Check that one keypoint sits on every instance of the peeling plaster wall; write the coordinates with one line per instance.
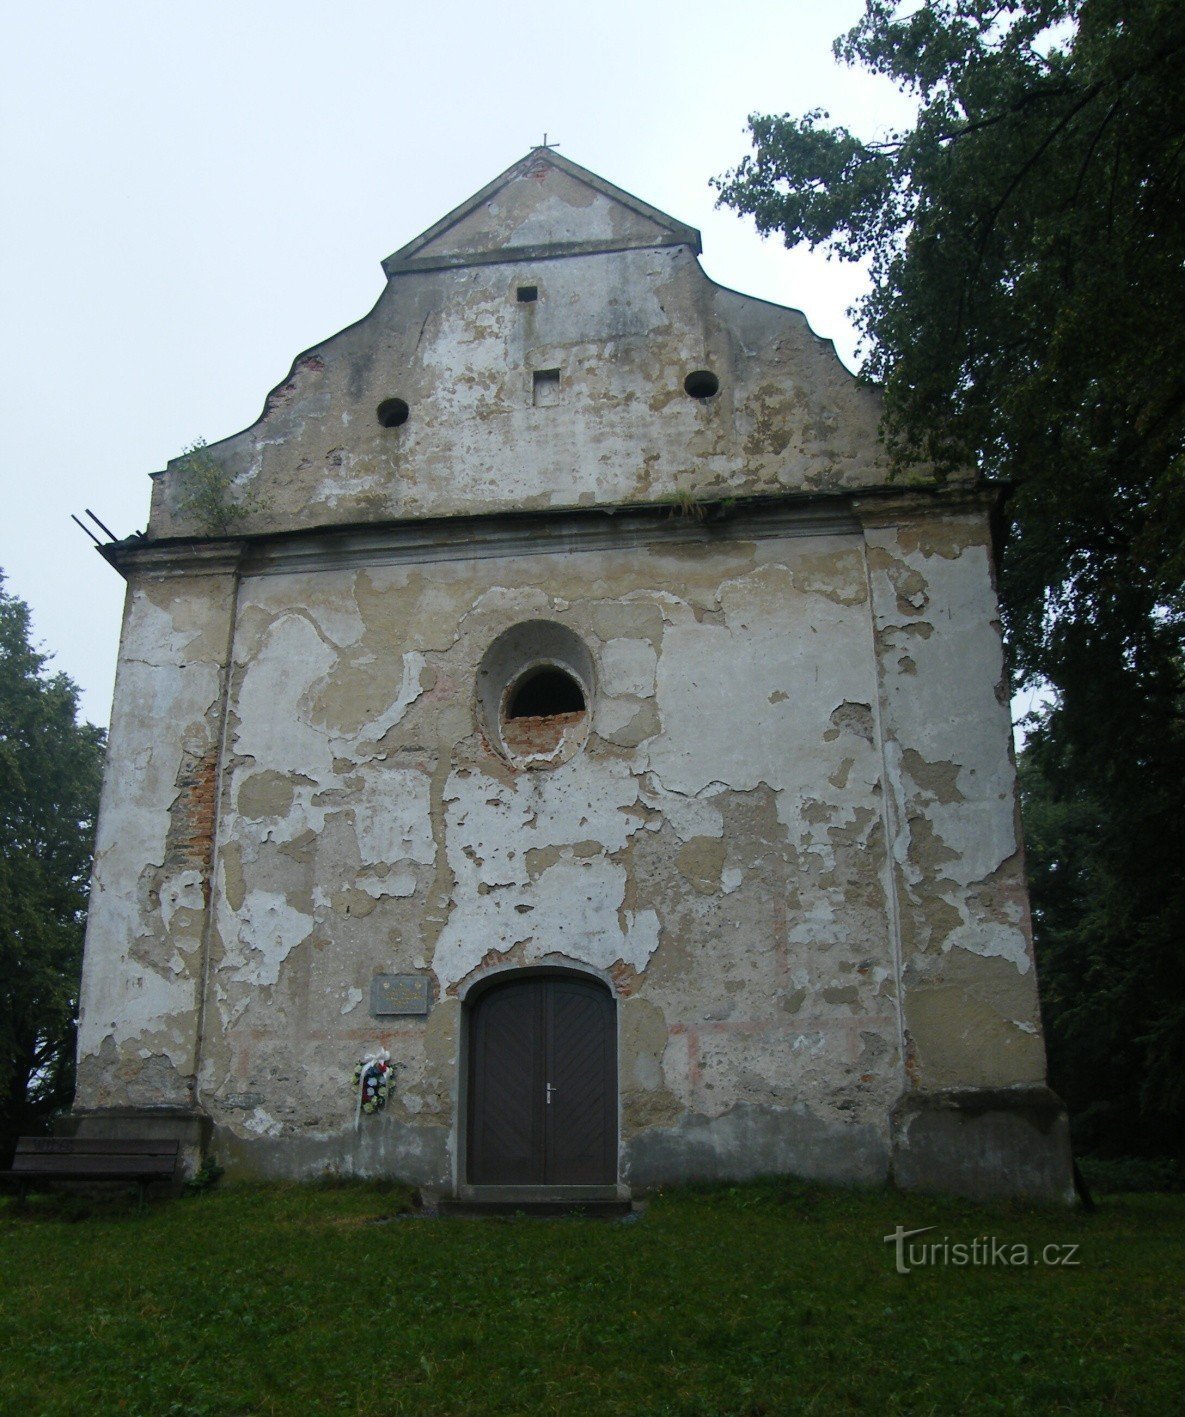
(789, 841)
(623, 328)
(716, 849)
(969, 984)
(143, 957)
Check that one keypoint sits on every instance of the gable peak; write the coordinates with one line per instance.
(543, 206)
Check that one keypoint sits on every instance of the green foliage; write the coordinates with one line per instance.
(1105, 840)
(50, 770)
(1116, 1175)
(209, 494)
(208, 1174)
(745, 1300)
(685, 505)
(1026, 240)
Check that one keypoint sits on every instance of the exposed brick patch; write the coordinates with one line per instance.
(190, 841)
(625, 977)
(527, 736)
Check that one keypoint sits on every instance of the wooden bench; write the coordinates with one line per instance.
(39, 1160)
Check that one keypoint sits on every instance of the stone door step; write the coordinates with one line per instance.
(604, 1201)
(604, 1209)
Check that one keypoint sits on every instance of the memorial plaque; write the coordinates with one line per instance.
(393, 994)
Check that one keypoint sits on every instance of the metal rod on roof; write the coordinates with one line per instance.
(85, 528)
(100, 525)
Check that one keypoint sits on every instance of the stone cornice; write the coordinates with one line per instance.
(545, 532)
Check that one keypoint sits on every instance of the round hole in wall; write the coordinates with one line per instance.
(534, 691)
(701, 384)
(392, 412)
(544, 692)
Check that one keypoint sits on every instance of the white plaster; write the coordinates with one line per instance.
(689, 816)
(409, 692)
(261, 1123)
(335, 615)
(628, 667)
(274, 706)
(576, 904)
(814, 923)
(157, 683)
(612, 715)
(791, 657)
(183, 892)
(988, 938)
(269, 929)
(393, 816)
(947, 710)
(152, 635)
(512, 602)
(128, 1001)
(401, 881)
(578, 801)
(344, 483)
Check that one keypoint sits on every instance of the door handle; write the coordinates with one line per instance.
(550, 1090)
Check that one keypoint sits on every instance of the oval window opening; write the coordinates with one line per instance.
(536, 694)
(392, 413)
(702, 384)
(544, 693)
(545, 716)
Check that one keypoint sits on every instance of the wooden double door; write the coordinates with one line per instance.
(543, 1084)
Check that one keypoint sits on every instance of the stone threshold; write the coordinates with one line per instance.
(598, 1201)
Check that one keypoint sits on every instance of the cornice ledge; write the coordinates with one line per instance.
(547, 531)
(887, 506)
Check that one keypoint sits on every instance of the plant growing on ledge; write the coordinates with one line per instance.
(210, 496)
(684, 504)
(687, 506)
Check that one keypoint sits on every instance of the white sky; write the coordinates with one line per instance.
(191, 194)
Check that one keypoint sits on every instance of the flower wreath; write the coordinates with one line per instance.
(372, 1079)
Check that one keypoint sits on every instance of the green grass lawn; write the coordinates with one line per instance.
(763, 1298)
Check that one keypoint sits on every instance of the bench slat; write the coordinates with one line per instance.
(84, 1159)
(94, 1146)
(33, 1178)
(93, 1165)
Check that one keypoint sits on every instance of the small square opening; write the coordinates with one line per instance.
(527, 293)
(546, 387)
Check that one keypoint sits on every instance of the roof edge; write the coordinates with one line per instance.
(405, 258)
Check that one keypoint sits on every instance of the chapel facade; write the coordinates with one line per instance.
(556, 691)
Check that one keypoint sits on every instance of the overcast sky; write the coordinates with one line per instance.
(194, 193)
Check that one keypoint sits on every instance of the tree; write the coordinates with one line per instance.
(1109, 927)
(50, 772)
(1026, 241)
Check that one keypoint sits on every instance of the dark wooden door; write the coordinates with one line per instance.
(543, 1084)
